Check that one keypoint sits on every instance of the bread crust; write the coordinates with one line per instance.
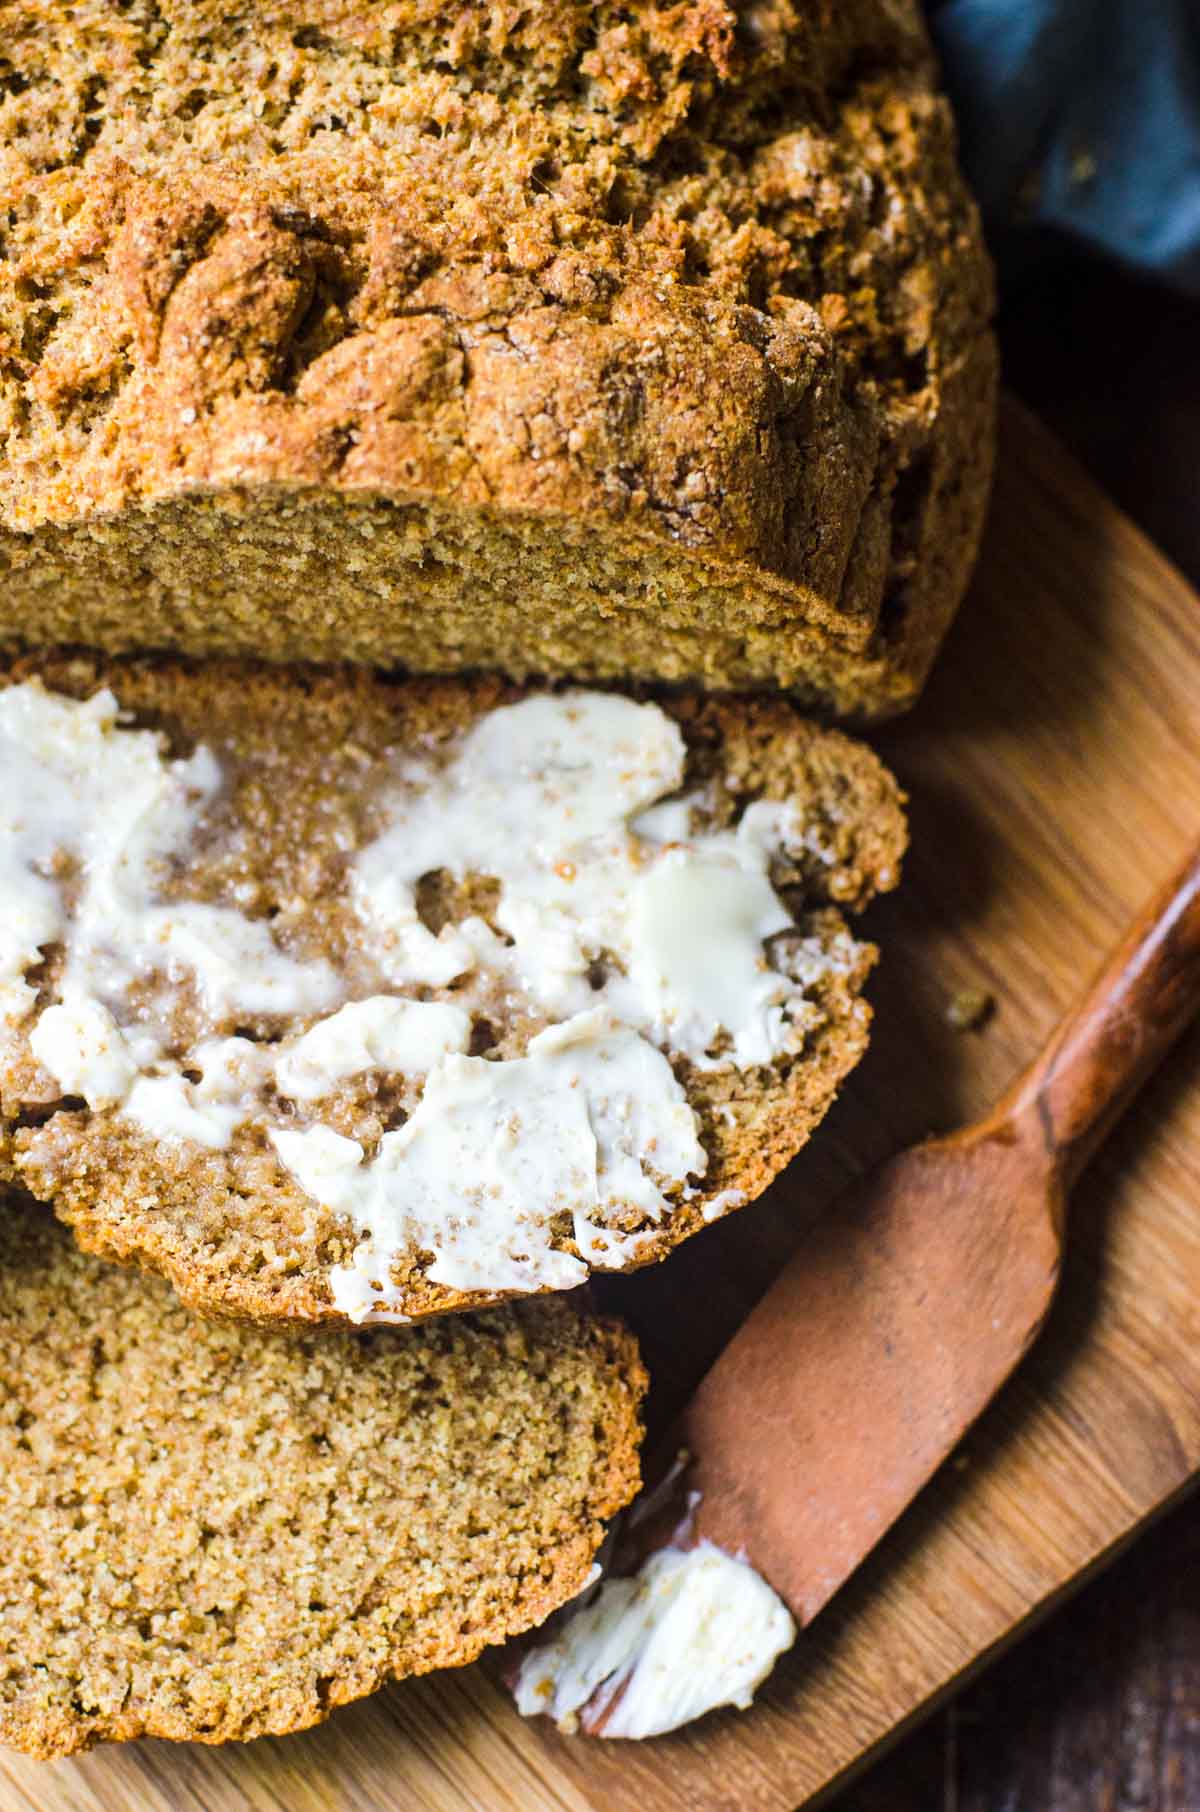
(305, 752)
(323, 333)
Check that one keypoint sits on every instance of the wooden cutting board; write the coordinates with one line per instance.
(1054, 769)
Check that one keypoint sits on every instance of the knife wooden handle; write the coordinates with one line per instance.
(1106, 1047)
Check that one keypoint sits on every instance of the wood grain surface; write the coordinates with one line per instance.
(1055, 776)
(1098, 1708)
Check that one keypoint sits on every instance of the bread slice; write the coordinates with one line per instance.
(211, 1532)
(628, 1031)
(590, 339)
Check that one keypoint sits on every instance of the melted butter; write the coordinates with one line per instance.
(693, 1629)
(87, 803)
(618, 921)
(386, 1032)
(84, 1049)
(582, 1125)
(560, 799)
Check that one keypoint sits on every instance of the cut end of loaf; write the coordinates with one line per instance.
(404, 583)
(613, 341)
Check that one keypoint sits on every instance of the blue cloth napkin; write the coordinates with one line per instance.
(1084, 116)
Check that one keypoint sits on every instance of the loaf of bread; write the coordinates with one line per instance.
(212, 1532)
(597, 340)
(336, 997)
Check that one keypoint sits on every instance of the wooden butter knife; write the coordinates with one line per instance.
(898, 1318)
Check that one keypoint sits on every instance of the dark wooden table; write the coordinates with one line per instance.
(1099, 1710)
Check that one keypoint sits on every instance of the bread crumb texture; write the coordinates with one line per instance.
(214, 1532)
(304, 755)
(555, 338)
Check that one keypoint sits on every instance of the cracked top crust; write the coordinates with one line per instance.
(697, 282)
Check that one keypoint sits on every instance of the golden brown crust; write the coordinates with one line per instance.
(305, 750)
(216, 1532)
(666, 311)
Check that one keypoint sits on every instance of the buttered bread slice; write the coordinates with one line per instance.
(214, 1532)
(330, 997)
